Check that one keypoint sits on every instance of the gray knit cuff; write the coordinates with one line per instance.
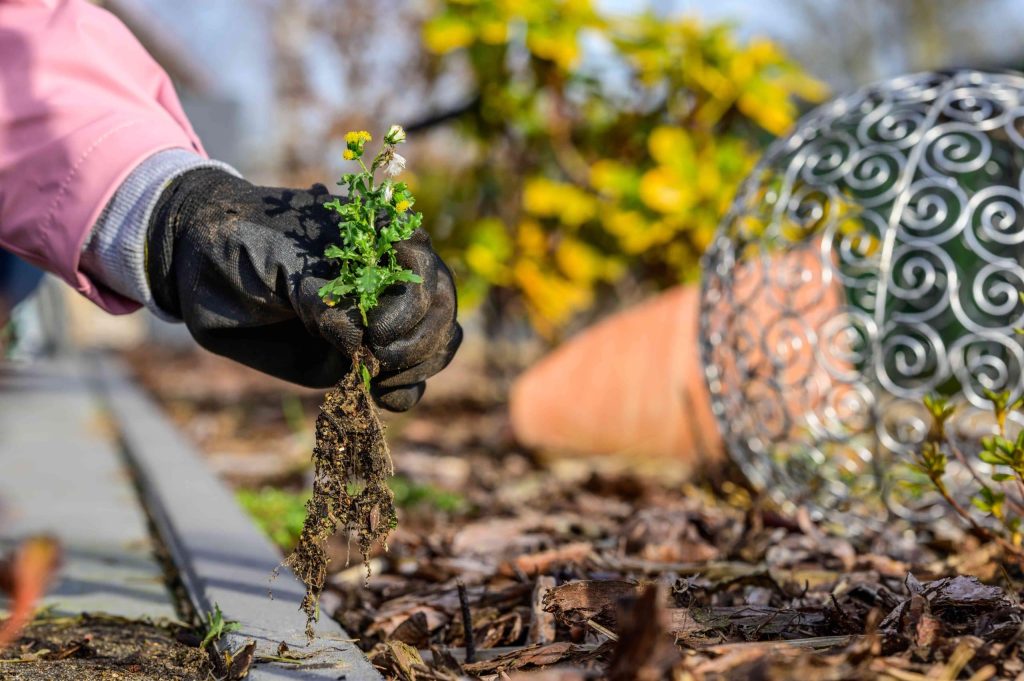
(115, 251)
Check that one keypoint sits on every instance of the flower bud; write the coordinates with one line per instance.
(396, 135)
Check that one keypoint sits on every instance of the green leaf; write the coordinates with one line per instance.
(993, 457)
(366, 376)
(335, 251)
(217, 626)
(407, 276)
(981, 505)
(1003, 477)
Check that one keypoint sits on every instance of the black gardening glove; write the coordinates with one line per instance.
(242, 264)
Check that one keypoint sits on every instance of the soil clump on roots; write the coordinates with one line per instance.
(351, 469)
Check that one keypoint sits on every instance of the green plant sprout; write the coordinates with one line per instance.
(375, 218)
(1004, 456)
(216, 626)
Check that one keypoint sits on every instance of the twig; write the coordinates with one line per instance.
(467, 623)
(604, 631)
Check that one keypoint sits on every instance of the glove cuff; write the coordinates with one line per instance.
(174, 213)
(115, 251)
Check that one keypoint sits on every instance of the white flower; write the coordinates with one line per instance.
(389, 191)
(396, 135)
(396, 164)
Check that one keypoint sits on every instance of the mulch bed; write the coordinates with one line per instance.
(573, 569)
(104, 648)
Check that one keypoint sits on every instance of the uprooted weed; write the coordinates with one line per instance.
(352, 466)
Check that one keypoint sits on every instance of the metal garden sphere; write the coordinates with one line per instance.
(872, 257)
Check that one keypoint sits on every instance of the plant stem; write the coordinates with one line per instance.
(988, 534)
(958, 453)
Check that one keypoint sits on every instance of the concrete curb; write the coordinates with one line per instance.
(64, 476)
(221, 556)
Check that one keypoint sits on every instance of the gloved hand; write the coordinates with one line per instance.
(242, 264)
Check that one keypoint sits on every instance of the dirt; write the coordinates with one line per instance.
(351, 469)
(101, 648)
(607, 568)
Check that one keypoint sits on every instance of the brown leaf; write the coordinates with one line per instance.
(576, 602)
(545, 561)
(25, 577)
(398, 659)
(666, 536)
(413, 631)
(682, 622)
(530, 656)
(963, 592)
(443, 660)
(550, 675)
(645, 651)
(239, 662)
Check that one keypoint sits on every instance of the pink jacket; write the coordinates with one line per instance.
(81, 104)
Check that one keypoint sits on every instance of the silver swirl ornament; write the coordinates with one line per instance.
(886, 264)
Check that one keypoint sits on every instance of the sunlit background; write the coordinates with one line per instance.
(570, 157)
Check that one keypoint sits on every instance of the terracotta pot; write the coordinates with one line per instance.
(631, 385)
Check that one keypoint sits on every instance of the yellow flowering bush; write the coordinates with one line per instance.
(607, 148)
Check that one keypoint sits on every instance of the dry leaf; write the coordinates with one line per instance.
(25, 577)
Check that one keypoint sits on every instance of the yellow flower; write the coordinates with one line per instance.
(348, 155)
(402, 206)
(359, 137)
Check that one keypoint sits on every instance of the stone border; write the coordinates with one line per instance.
(64, 476)
(221, 556)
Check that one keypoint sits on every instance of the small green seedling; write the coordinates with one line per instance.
(217, 626)
(367, 253)
(1005, 459)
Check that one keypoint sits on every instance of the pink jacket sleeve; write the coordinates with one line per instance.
(81, 104)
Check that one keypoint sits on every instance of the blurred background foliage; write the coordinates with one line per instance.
(601, 152)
